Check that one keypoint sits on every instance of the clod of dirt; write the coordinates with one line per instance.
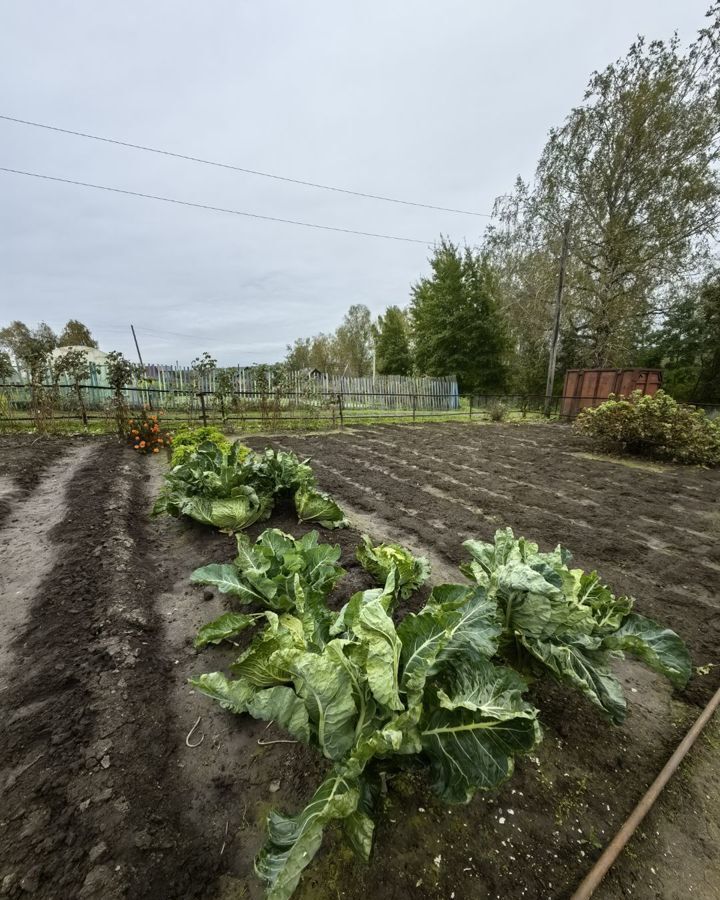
(97, 852)
(30, 882)
(8, 883)
(99, 883)
(274, 787)
(143, 840)
(208, 595)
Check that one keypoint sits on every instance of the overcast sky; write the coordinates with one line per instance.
(437, 102)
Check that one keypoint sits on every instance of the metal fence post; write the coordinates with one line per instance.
(470, 410)
(414, 405)
(203, 411)
(340, 409)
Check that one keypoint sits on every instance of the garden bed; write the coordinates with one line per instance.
(102, 797)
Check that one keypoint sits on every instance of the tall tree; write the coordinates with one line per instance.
(298, 354)
(392, 343)
(354, 341)
(457, 325)
(635, 170)
(75, 334)
(318, 352)
(527, 270)
(324, 354)
(30, 347)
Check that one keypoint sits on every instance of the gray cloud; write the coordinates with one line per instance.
(439, 102)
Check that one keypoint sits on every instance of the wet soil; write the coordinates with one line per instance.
(101, 796)
(652, 531)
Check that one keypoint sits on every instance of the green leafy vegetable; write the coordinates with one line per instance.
(474, 726)
(232, 489)
(370, 691)
(226, 626)
(660, 648)
(269, 571)
(567, 622)
(412, 571)
(314, 506)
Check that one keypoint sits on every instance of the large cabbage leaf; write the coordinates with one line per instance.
(473, 727)
(274, 704)
(660, 648)
(229, 580)
(459, 622)
(294, 840)
(226, 626)
(314, 506)
(228, 513)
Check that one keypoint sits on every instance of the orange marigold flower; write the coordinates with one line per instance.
(142, 443)
(155, 450)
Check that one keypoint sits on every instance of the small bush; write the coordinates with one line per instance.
(656, 426)
(497, 411)
(146, 434)
(187, 440)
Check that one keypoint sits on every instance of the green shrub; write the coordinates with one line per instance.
(653, 426)
(187, 440)
(497, 411)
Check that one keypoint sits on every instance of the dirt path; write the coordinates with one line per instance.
(27, 551)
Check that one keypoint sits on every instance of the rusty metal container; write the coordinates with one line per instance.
(591, 387)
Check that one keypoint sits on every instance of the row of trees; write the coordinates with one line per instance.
(22, 347)
(632, 175)
(30, 351)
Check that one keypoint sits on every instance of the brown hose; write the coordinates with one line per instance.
(612, 851)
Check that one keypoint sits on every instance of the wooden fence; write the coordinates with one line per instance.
(382, 391)
(176, 386)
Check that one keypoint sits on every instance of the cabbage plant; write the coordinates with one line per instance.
(412, 571)
(567, 622)
(268, 574)
(232, 490)
(369, 695)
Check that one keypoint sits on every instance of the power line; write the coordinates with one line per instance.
(220, 165)
(222, 209)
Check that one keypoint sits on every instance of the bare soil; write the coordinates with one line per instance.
(101, 797)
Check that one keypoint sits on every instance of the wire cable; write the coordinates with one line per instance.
(221, 165)
(222, 209)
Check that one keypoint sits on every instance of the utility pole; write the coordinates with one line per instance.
(556, 325)
(137, 346)
(142, 364)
